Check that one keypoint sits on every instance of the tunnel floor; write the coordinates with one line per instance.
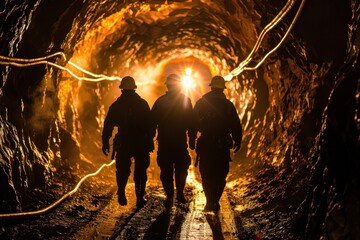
(93, 213)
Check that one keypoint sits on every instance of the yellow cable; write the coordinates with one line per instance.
(281, 41)
(44, 210)
(28, 64)
(21, 62)
(242, 66)
(268, 27)
(33, 59)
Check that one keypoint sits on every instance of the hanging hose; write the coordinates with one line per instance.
(50, 207)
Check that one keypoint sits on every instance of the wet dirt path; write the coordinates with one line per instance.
(207, 225)
(154, 221)
(94, 213)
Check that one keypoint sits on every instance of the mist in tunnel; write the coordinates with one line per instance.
(299, 109)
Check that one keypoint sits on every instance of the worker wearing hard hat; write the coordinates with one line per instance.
(173, 118)
(131, 115)
(220, 128)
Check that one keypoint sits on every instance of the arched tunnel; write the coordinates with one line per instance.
(296, 175)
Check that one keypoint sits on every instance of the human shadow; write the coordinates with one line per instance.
(125, 221)
(176, 225)
(215, 225)
(159, 228)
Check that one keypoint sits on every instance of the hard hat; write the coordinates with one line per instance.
(217, 82)
(173, 79)
(127, 83)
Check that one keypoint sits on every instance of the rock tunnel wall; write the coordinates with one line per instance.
(292, 108)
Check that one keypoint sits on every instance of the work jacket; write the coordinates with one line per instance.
(131, 115)
(173, 116)
(217, 120)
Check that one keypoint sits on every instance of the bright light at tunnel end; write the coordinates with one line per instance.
(188, 80)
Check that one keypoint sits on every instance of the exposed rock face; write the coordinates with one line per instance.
(299, 109)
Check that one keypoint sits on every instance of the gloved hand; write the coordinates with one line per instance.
(237, 146)
(192, 143)
(106, 148)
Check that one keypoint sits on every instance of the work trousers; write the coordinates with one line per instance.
(214, 167)
(171, 162)
(123, 164)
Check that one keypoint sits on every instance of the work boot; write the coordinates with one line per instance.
(209, 206)
(216, 207)
(168, 203)
(140, 192)
(180, 198)
(122, 199)
(141, 202)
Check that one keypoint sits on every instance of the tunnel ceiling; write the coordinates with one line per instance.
(143, 39)
(134, 34)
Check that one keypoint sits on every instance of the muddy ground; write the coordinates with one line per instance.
(93, 213)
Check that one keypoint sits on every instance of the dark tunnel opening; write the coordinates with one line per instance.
(299, 110)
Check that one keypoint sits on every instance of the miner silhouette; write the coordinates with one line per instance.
(131, 115)
(220, 128)
(173, 117)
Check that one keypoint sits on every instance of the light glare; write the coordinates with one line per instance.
(188, 71)
(188, 80)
